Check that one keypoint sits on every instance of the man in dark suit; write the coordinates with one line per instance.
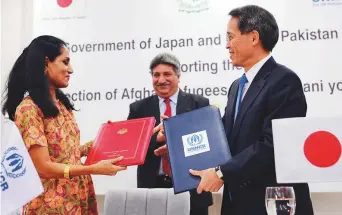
(169, 100)
(267, 90)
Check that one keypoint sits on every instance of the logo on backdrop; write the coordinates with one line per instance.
(62, 10)
(193, 6)
(64, 3)
(326, 3)
(195, 143)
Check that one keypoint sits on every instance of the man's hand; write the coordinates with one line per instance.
(161, 135)
(210, 182)
(161, 151)
(160, 130)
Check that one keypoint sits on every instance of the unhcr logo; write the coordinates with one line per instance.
(195, 143)
(195, 139)
(12, 166)
(13, 163)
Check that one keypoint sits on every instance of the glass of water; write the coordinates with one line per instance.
(280, 201)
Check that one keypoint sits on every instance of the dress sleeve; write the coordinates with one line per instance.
(30, 125)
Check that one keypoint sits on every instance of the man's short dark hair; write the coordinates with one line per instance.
(166, 58)
(252, 17)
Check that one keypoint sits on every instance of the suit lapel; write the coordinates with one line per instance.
(229, 117)
(182, 103)
(154, 109)
(252, 93)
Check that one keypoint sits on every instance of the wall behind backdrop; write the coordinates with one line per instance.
(112, 43)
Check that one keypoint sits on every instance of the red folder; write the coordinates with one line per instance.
(129, 138)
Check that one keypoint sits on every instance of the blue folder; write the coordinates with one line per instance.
(196, 140)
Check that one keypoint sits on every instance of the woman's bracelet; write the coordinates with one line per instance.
(67, 171)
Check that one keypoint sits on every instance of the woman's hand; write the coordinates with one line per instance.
(107, 167)
(85, 148)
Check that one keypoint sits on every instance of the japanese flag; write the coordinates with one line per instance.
(308, 149)
(60, 9)
(19, 179)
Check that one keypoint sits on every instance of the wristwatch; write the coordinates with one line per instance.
(219, 172)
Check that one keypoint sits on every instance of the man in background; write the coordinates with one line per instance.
(169, 101)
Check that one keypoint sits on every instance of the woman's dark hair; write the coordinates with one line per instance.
(28, 76)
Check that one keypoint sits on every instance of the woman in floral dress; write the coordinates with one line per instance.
(49, 130)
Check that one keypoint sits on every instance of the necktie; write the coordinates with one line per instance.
(165, 159)
(168, 107)
(243, 81)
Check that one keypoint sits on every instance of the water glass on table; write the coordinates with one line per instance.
(280, 201)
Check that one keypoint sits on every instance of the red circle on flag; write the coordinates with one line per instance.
(322, 149)
(64, 3)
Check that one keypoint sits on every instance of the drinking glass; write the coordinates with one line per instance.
(280, 201)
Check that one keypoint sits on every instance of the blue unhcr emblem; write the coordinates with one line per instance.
(13, 163)
(195, 139)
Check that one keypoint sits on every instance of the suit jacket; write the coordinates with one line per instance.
(276, 92)
(148, 172)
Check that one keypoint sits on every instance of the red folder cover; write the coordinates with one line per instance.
(129, 138)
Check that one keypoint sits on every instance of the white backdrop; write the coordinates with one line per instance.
(0, 70)
(85, 23)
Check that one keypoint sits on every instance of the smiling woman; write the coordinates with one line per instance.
(49, 130)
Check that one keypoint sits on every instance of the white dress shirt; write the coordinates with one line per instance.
(173, 104)
(252, 72)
